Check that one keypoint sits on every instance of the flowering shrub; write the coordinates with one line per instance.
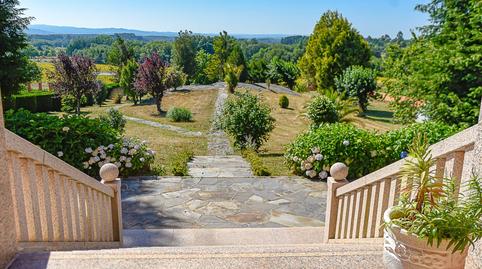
(84, 143)
(313, 152)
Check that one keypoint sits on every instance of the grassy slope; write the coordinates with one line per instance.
(45, 67)
(290, 122)
(166, 143)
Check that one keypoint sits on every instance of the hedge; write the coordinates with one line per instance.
(35, 102)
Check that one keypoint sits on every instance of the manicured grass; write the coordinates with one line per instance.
(200, 103)
(378, 117)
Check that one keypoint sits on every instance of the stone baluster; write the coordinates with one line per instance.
(8, 242)
(109, 174)
(338, 172)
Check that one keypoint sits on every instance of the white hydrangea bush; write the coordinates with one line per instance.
(130, 156)
(312, 166)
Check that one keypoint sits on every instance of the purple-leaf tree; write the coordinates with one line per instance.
(151, 77)
(76, 76)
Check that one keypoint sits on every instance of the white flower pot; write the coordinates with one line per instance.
(404, 250)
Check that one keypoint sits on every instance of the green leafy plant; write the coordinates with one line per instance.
(179, 114)
(115, 119)
(322, 110)
(247, 120)
(232, 74)
(118, 98)
(257, 165)
(178, 165)
(283, 101)
(358, 82)
(434, 213)
(342, 142)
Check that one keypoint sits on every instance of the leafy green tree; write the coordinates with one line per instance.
(232, 74)
(127, 78)
(75, 76)
(120, 52)
(258, 70)
(15, 67)
(175, 77)
(236, 58)
(442, 67)
(223, 46)
(202, 62)
(184, 53)
(247, 120)
(359, 82)
(283, 72)
(333, 46)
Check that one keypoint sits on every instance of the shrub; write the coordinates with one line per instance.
(34, 101)
(178, 114)
(115, 119)
(178, 166)
(65, 137)
(359, 82)
(363, 151)
(257, 165)
(84, 143)
(247, 120)
(322, 110)
(284, 102)
(118, 98)
(69, 103)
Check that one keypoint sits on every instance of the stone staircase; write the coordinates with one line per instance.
(266, 256)
(219, 166)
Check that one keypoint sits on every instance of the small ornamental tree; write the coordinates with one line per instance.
(75, 76)
(175, 77)
(247, 120)
(151, 78)
(128, 75)
(359, 82)
(232, 74)
(283, 72)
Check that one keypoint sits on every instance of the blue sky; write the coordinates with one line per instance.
(370, 17)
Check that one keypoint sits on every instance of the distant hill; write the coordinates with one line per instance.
(43, 29)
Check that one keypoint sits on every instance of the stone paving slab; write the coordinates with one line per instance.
(219, 166)
(239, 202)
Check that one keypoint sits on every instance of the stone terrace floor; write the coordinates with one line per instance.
(185, 202)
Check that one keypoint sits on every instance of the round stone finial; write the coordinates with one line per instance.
(339, 171)
(109, 172)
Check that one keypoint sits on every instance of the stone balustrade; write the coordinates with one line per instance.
(355, 210)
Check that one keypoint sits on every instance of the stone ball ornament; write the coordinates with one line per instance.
(339, 171)
(109, 172)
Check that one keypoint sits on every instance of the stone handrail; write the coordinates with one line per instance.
(57, 206)
(355, 210)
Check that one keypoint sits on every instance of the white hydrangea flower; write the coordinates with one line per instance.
(95, 152)
(323, 174)
(113, 159)
(142, 160)
(100, 164)
(101, 148)
(118, 164)
(103, 155)
(315, 150)
(296, 159)
(128, 165)
(143, 142)
(66, 129)
(128, 160)
(124, 150)
(132, 152)
(110, 146)
(311, 173)
(96, 158)
(88, 150)
(86, 165)
(318, 157)
(308, 166)
(373, 153)
(136, 147)
(346, 143)
(60, 153)
(310, 159)
(122, 158)
(91, 160)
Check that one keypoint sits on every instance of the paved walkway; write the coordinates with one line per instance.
(218, 143)
(219, 166)
(164, 126)
(177, 202)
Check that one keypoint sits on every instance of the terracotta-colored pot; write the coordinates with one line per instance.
(405, 250)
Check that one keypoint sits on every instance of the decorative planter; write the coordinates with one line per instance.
(404, 250)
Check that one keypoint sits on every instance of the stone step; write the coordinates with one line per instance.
(279, 256)
(222, 237)
(219, 166)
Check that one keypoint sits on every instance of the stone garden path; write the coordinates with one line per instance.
(185, 202)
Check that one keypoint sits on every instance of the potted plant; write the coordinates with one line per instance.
(431, 227)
